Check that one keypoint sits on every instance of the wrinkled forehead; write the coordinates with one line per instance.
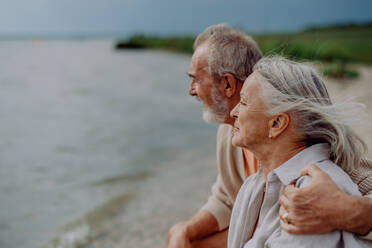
(252, 85)
(200, 53)
(199, 59)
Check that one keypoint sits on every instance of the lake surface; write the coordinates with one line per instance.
(78, 121)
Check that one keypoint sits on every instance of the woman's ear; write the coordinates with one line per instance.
(228, 85)
(278, 124)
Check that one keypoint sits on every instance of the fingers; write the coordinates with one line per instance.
(311, 170)
(284, 215)
(284, 202)
(289, 190)
(288, 224)
(294, 228)
(290, 196)
(290, 228)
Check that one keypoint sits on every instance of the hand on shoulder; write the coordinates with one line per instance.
(313, 209)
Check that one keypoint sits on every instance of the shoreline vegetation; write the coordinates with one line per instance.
(337, 46)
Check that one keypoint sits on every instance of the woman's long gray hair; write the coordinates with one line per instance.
(296, 89)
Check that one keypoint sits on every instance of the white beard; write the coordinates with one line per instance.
(211, 117)
(219, 111)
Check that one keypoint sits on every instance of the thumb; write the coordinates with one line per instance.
(311, 170)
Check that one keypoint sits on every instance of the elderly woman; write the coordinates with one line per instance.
(286, 118)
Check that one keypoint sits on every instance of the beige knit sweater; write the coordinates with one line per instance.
(231, 175)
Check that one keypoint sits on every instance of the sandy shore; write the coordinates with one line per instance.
(179, 187)
(361, 91)
(176, 190)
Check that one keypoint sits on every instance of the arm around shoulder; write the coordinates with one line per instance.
(312, 210)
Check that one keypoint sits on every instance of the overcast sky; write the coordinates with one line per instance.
(175, 17)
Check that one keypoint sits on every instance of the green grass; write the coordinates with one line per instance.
(330, 45)
(339, 70)
(176, 44)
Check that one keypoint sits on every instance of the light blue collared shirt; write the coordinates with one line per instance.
(249, 208)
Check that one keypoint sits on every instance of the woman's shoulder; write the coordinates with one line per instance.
(252, 182)
(336, 173)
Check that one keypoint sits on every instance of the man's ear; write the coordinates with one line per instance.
(228, 85)
(278, 124)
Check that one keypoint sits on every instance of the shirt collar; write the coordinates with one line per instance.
(290, 170)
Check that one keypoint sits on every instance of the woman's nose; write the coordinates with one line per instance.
(234, 111)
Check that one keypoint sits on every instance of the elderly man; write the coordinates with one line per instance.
(222, 60)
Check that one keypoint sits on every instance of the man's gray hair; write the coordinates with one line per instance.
(296, 89)
(229, 51)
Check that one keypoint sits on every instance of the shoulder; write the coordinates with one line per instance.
(252, 183)
(230, 159)
(224, 139)
(224, 132)
(224, 146)
(338, 176)
(252, 179)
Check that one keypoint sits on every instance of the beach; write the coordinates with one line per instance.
(83, 128)
(173, 192)
(359, 90)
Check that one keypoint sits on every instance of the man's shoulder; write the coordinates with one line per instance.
(229, 157)
(224, 136)
(224, 131)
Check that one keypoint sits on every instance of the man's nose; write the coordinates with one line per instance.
(192, 90)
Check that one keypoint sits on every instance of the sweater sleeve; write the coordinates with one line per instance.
(230, 177)
(362, 176)
(219, 204)
(369, 235)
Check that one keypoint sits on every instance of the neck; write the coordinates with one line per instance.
(233, 101)
(273, 155)
(229, 121)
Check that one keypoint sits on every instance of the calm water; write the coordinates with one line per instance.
(77, 114)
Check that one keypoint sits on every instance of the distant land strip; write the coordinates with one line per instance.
(337, 43)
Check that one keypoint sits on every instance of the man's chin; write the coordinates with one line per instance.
(211, 117)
